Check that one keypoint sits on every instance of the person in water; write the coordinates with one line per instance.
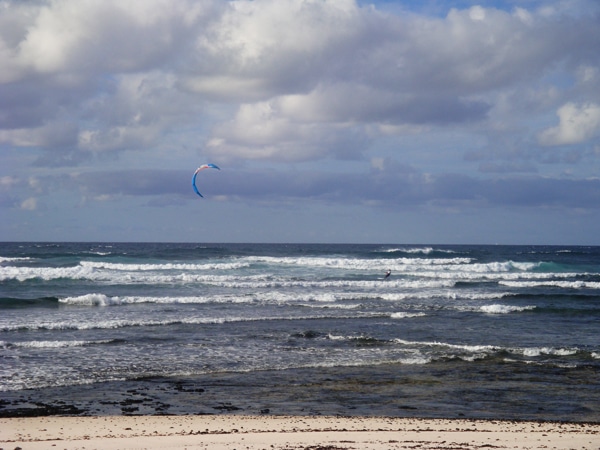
(387, 274)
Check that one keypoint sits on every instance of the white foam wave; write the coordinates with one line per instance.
(553, 283)
(105, 300)
(444, 295)
(275, 297)
(364, 284)
(125, 323)
(505, 309)
(406, 315)
(164, 267)
(54, 344)
(90, 300)
(335, 337)
(417, 250)
(91, 273)
(353, 362)
(313, 298)
(332, 306)
(4, 259)
(44, 273)
(533, 352)
(486, 350)
(405, 271)
(463, 273)
(330, 298)
(106, 324)
(506, 266)
(356, 264)
(469, 348)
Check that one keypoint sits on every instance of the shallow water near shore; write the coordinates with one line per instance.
(437, 391)
(456, 331)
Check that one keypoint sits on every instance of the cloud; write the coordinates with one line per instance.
(577, 123)
(124, 74)
(273, 47)
(263, 131)
(131, 182)
(8, 181)
(319, 102)
(387, 185)
(107, 36)
(29, 204)
(100, 69)
(387, 70)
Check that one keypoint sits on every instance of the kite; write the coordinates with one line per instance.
(202, 167)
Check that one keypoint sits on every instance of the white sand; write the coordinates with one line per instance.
(298, 432)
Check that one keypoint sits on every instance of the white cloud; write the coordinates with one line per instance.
(365, 68)
(378, 163)
(115, 138)
(29, 204)
(52, 134)
(123, 74)
(8, 181)
(577, 123)
(111, 35)
(263, 48)
(261, 131)
(587, 74)
(477, 13)
(523, 15)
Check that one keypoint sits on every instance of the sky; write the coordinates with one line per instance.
(333, 121)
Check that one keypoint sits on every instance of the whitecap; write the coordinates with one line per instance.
(406, 315)
(553, 283)
(538, 351)
(4, 259)
(163, 267)
(58, 344)
(504, 309)
(90, 300)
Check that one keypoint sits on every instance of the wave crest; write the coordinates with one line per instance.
(505, 309)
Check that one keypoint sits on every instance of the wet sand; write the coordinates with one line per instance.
(290, 432)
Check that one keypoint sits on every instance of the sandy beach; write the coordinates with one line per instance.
(290, 432)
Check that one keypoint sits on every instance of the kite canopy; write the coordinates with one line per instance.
(202, 167)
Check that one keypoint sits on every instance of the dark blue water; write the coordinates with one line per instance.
(482, 331)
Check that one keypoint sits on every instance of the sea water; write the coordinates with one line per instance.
(454, 329)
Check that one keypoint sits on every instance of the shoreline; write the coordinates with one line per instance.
(291, 433)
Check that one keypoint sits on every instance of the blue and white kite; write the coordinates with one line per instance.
(202, 167)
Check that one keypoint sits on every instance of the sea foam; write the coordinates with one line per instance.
(505, 309)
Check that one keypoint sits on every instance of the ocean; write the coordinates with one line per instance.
(482, 331)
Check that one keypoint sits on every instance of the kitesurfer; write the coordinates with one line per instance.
(387, 274)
